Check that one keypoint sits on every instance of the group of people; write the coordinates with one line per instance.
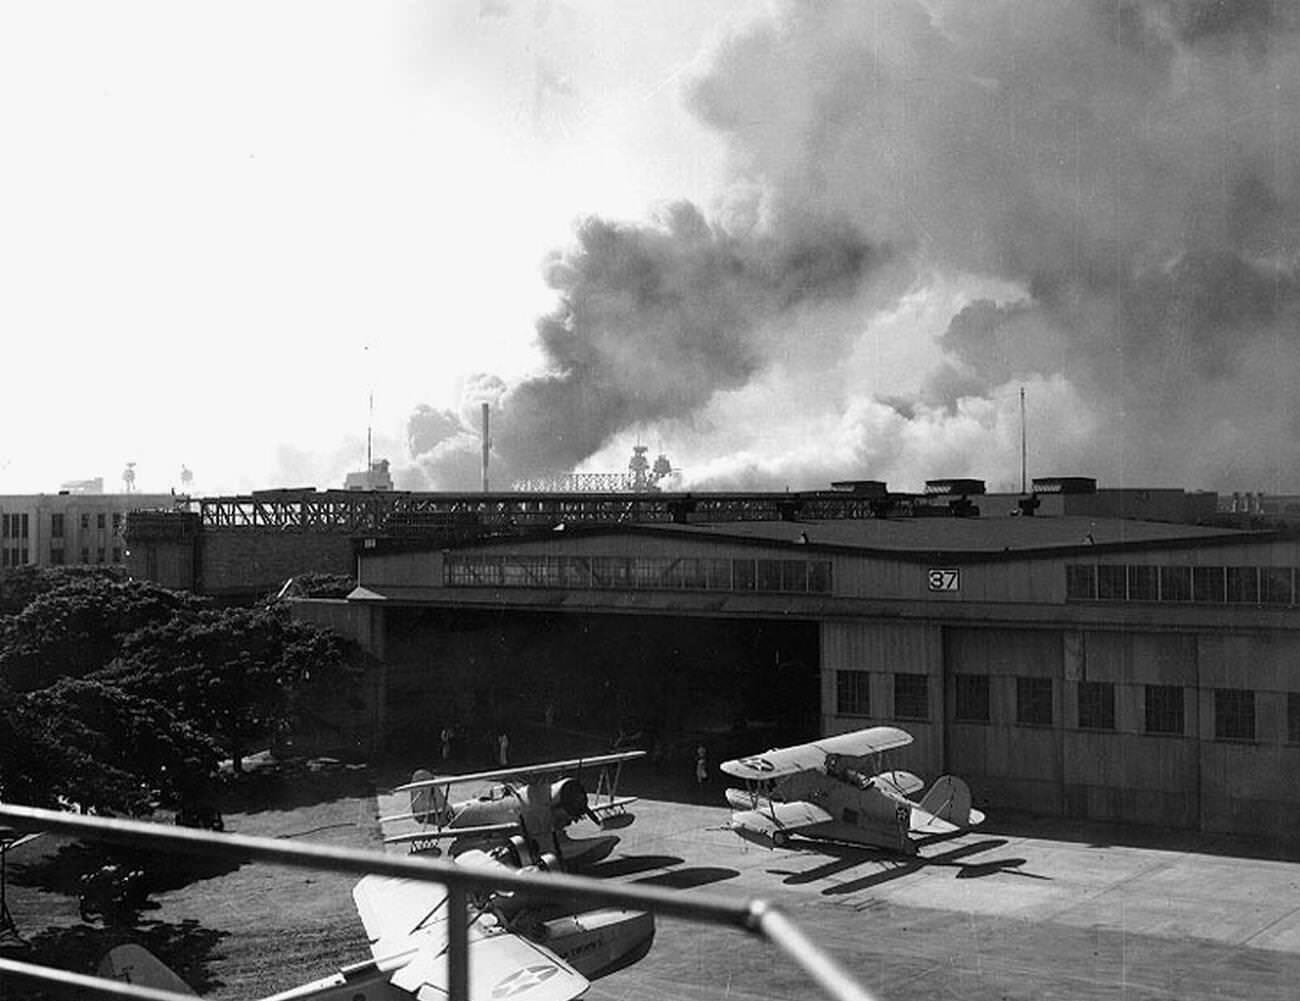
(498, 741)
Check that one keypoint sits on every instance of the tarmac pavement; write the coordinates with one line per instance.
(989, 914)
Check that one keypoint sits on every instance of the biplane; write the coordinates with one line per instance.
(535, 801)
(516, 943)
(836, 789)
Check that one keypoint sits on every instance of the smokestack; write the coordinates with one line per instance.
(487, 444)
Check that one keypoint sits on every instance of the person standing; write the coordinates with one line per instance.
(446, 742)
(701, 770)
(503, 749)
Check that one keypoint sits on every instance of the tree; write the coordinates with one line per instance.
(234, 673)
(97, 745)
(78, 626)
(20, 586)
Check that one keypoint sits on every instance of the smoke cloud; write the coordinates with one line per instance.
(1114, 186)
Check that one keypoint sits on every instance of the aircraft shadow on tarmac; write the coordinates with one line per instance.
(846, 857)
(617, 822)
(630, 865)
(689, 878)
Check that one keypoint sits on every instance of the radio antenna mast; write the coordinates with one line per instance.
(370, 423)
(1023, 453)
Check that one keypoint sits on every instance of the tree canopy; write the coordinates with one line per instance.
(234, 672)
(77, 626)
(114, 691)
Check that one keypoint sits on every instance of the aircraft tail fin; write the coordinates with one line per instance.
(429, 803)
(134, 964)
(949, 800)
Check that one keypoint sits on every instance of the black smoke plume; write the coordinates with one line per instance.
(1124, 174)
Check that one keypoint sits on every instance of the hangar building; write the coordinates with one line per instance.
(1068, 664)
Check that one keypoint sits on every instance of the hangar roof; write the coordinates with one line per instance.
(970, 534)
(975, 536)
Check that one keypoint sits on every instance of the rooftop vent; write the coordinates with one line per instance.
(959, 487)
(861, 488)
(1065, 485)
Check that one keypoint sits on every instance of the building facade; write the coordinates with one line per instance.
(1075, 666)
(50, 530)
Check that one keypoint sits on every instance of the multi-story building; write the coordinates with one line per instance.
(68, 527)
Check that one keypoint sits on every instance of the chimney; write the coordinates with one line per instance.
(487, 444)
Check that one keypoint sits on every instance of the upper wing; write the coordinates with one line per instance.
(401, 915)
(806, 757)
(544, 768)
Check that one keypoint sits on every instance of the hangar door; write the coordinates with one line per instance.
(1003, 713)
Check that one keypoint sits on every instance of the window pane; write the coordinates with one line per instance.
(1143, 583)
(911, 696)
(794, 576)
(1243, 585)
(971, 693)
(1234, 714)
(1293, 717)
(1111, 582)
(576, 572)
(746, 579)
(1175, 583)
(1164, 709)
(716, 574)
(819, 577)
(648, 573)
(769, 575)
(1207, 584)
(1096, 705)
(1034, 701)
(1080, 582)
(609, 571)
(1275, 585)
(853, 693)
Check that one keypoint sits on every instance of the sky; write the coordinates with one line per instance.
(782, 243)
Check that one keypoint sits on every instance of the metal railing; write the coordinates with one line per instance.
(755, 916)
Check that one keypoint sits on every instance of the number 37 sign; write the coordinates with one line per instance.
(944, 580)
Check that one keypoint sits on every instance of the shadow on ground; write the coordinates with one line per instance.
(269, 783)
(187, 947)
(62, 871)
(689, 878)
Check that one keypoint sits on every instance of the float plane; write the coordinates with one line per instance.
(834, 789)
(535, 801)
(516, 942)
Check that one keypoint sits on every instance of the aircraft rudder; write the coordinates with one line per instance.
(428, 803)
(949, 799)
(134, 964)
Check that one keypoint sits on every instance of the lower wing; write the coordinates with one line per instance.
(773, 818)
(448, 833)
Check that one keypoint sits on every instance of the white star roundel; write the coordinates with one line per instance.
(523, 980)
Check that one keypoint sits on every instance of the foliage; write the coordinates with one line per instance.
(78, 626)
(315, 585)
(234, 673)
(97, 745)
(114, 692)
(21, 586)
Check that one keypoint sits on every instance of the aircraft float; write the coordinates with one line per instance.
(834, 789)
